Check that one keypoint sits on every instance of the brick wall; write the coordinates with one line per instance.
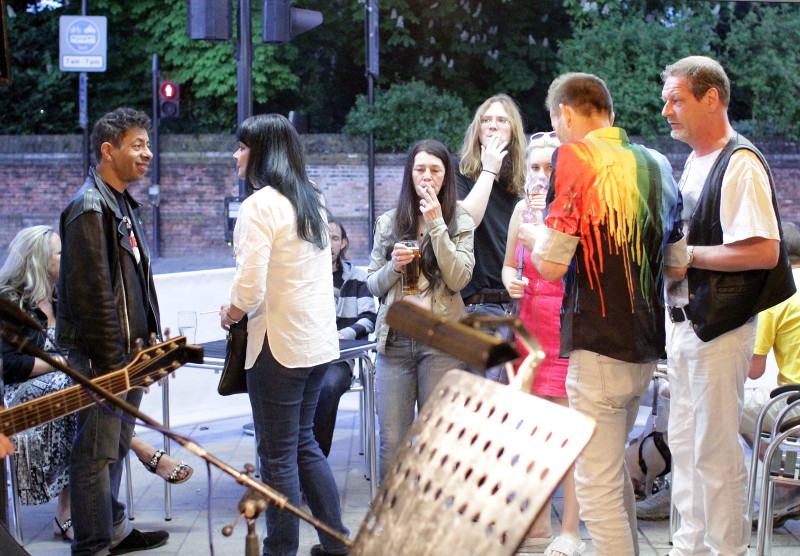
(38, 175)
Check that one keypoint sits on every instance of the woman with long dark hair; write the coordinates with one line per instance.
(283, 283)
(427, 211)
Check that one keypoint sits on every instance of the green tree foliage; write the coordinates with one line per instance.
(475, 49)
(764, 62)
(36, 102)
(408, 112)
(206, 70)
(472, 49)
(628, 44)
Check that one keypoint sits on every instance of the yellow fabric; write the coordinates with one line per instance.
(779, 329)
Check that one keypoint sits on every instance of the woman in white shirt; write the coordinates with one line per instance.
(427, 211)
(283, 283)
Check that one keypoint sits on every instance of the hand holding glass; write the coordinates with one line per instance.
(533, 187)
(411, 270)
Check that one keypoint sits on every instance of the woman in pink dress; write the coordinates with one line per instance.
(540, 307)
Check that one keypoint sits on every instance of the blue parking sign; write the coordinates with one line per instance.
(82, 43)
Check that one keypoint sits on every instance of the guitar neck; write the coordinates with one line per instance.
(51, 407)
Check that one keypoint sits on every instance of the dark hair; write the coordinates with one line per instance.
(276, 159)
(584, 92)
(791, 236)
(407, 217)
(343, 251)
(702, 73)
(112, 127)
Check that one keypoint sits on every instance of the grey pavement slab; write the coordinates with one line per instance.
(225, 438)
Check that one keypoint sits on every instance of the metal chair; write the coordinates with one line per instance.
(778, 395)
(129, 487)
(475, 469)
(783, 455)
(15, 508)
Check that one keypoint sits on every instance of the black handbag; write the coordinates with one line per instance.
(233, 379)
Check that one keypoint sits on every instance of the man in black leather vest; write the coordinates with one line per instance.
(737, 267)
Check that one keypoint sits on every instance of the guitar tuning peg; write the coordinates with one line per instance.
(167, 333)
(153, 339)
(138, 345)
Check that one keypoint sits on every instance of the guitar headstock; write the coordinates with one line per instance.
(154, 363)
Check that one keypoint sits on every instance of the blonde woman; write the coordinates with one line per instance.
(540, 306)
(28, 278)
(490, 179)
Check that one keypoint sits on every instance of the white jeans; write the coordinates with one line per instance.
(608, 391)
(706, 381)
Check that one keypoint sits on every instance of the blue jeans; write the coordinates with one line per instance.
(335, 383)
(284, 401)
(498, 372)
(98, 456)
(406, 375)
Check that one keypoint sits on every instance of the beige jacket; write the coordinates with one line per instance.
(454, 255)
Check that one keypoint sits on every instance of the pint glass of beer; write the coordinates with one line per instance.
(411, 270)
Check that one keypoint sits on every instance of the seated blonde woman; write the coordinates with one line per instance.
(28, 278)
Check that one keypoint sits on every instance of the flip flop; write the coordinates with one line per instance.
(564, 544)
(179, 474)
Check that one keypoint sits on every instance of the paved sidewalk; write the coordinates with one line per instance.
(225, 439)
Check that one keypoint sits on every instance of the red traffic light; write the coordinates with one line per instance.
(170, 101)
(169, 90)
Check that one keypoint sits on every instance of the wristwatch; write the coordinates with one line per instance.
(690, 252)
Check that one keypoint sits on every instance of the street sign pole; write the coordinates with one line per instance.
(155, 175)
(82, 47)
(83, 102)
(83, 117)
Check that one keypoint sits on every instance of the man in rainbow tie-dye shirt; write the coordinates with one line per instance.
(613, 227)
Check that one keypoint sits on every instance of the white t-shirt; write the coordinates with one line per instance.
(745, 204)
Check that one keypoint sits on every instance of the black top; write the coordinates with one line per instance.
(17, 366)
(490, 236)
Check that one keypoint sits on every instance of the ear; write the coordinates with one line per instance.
(567, 113)
(345, 243)
(711, 99)
(105, 150)
(611, 118)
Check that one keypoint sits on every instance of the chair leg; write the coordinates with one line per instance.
(674, 518)
(362, 429)
(16, 505)
(129, 486)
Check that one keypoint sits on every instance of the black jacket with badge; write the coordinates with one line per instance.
(106, 300)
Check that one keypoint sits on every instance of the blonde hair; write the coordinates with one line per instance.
(540, 140)
(25, 269)
(514, 163)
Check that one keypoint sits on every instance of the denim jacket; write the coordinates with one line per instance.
(453, 254)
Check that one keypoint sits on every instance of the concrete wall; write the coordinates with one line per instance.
(38, 175)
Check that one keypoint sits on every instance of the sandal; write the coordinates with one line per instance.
(567, 544)
(63, 528)
(179, 474)
(533, 545)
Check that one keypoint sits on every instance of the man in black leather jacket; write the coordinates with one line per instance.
(106, 302)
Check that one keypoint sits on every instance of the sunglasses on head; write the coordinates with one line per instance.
(541, 134)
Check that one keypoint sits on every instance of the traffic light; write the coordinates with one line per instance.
(281, 22)
(170, 99)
